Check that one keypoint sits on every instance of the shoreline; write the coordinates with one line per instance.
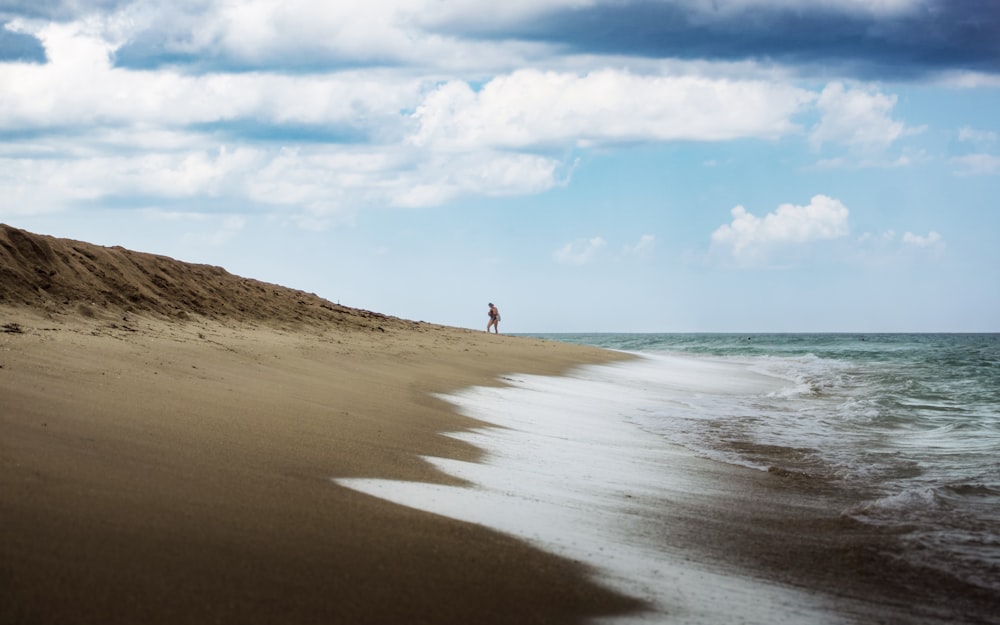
(698, 540)
(161, 471)
(565, 471)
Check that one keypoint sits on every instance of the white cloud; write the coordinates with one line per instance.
(116, 112)
(304, 33)
(579, 252)
(876, 7)
(643, 246)
(316, 181)
(907, 159)
(931, 240)
(407, 32)
(169, 175)
(433, 12)
(429, 139)
(888, 246)
(883, 237)
(977, 164)
(860, 118)
(969, 80)
(375, 30)
(459, 144)
(968, 133)
(445, 177)
(536, 108)
(162, 133)
(79, 86)
(748, 235)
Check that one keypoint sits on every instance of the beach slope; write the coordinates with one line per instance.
(168, 435)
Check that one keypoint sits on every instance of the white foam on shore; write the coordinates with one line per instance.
(568, 470)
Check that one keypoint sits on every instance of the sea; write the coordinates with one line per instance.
(907, 424)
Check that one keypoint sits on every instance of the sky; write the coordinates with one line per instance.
(587, 165)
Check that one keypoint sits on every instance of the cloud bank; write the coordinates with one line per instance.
(890, 39)
(314, 111)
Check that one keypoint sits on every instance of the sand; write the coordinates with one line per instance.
(167, 455)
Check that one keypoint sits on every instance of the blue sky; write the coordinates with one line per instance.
(587, 165)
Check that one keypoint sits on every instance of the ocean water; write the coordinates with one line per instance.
(597, 464)
(909, 423)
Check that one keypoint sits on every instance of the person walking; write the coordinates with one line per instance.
(494, 320)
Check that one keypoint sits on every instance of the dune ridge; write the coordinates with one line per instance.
(63, 275)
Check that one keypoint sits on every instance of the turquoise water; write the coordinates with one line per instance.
(908, 423)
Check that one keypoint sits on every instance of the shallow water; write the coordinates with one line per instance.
(910, 423)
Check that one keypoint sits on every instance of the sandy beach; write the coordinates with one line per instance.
(168, 459)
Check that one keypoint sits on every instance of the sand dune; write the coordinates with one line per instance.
(61, 275)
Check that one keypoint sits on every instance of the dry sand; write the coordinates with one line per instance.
(168, 433)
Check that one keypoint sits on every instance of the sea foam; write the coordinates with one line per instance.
(568, 468)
